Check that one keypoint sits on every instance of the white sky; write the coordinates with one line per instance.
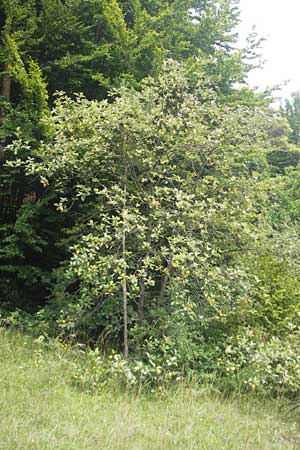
(279, 22)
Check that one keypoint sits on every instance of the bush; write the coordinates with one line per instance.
(158, 369)
(251, 361)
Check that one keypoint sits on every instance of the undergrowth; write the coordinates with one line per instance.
(41, 408)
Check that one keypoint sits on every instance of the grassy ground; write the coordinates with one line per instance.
(39, 409)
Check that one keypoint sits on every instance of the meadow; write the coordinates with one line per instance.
(41, 409)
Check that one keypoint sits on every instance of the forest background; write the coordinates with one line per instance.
(149, 198)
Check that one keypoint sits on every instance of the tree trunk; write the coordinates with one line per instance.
(164, 282)
(6, 82)
(141, 301)
(5, 92)
(124, 296)
(124, 286)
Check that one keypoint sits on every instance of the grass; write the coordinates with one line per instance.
(39, 409)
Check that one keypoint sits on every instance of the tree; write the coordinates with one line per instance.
(24, 103)
(155, 178)
(89, 47)
(291, 111)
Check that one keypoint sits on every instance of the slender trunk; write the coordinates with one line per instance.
(6, 82)
(163, 288)
(141, 301)
(97, 33)
(5, 92)
(164, 283)
(124, 294)
(124, 286)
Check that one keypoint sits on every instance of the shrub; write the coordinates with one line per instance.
(251, 361)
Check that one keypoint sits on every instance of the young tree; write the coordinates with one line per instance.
(155, 178)
(291, 111)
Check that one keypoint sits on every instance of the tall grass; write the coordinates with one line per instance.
(40, 409)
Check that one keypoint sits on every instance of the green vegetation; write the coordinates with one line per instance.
(40, 409)
(149, 199)
(291, 110)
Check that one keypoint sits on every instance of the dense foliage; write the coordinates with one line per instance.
(150, 206)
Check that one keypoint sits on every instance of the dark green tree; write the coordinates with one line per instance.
(26, 231)
(291, 111)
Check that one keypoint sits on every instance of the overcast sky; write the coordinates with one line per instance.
(279, 22)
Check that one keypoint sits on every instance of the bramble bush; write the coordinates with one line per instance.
(253, 361)
(250, 361)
